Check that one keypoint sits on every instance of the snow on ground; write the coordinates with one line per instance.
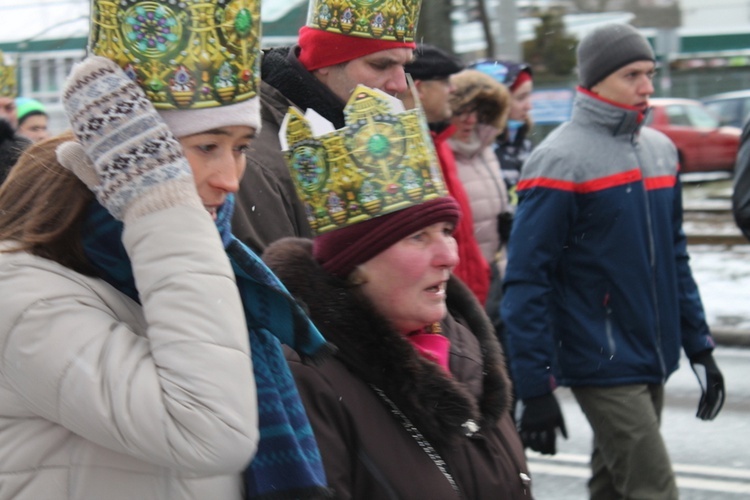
(723, 277)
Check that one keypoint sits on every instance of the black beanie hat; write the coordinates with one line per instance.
(609, 48)
(431, 63)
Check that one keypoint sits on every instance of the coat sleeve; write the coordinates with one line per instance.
(543, 218)
(741, 192)
(268, 207)
(693, 326)
(182, 395)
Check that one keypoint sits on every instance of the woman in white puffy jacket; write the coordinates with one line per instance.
(140, 384)
(480, 110)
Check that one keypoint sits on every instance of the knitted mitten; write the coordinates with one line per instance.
(139, 163)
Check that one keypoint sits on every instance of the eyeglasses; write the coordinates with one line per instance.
(466, 109)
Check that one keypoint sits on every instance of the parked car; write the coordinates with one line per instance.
(732, 108)
(702, 143)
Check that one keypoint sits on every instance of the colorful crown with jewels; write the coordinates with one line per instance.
(8, 85)
(382, 161)
(186, 54)
(393, 20)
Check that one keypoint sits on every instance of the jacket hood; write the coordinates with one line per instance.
(282, 70)
(491, 97)
(376, 353)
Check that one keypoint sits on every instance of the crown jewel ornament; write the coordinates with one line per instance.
(185, 54)
(393, 20)
(382, 161)
(8, 85)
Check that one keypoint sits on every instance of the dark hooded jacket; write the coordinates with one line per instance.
(366, 402)
(512, 153)
(268, 207)
(11, 147)
(741, 192)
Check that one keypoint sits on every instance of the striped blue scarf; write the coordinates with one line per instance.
(287, 464)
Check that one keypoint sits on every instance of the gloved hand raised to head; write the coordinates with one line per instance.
(712, 384)
(138, 164)
(539, 419)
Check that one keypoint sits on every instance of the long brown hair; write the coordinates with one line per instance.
(42, 205)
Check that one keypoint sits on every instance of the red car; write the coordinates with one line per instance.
(703, 145)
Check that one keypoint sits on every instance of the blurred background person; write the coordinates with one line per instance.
(415, 403)
(431, 70)
(480, 110)
(741, 184)
(32, 119)
(513, 145)
(11, 144)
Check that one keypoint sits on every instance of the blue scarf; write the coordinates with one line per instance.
(287, 463)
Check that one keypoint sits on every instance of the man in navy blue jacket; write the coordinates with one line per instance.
(598, 294)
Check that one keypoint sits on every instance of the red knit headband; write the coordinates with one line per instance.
(320, 49)
(523, 76)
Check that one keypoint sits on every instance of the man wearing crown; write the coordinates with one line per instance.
(345, 43)
(11, 145)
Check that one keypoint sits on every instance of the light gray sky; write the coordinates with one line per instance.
(44, 19)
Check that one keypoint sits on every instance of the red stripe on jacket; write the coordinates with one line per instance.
(600, 184)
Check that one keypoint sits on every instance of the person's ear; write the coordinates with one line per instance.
(418, 86)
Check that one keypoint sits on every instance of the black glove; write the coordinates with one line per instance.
(504, 225)
(540, 417)
(712, 385)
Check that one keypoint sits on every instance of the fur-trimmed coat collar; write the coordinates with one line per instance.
(437, 404)
(491, 97)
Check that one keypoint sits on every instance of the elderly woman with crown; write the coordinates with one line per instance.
(140, 342)
(415, 403)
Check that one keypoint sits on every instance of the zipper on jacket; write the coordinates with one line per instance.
(608, 326)
(652, 260)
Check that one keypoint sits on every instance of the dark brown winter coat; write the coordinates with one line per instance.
(268, 207)
(366, 449)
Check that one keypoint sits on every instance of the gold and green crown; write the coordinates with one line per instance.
(380, 162)
(394, 20)
(8, 85)
(186, 54)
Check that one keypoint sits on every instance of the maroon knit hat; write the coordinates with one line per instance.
(342, 250)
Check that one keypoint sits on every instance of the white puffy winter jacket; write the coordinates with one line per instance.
(102, 398)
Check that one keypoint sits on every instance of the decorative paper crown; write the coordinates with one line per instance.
(382, 161)
(7, 78)
(394, 20)
(186, 54)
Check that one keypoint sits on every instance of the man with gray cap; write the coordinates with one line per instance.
(599, 295)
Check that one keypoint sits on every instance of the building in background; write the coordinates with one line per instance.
(47, 37)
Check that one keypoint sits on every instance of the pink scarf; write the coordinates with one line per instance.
(432, 346)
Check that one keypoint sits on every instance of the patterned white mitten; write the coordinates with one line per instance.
(139, 163)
